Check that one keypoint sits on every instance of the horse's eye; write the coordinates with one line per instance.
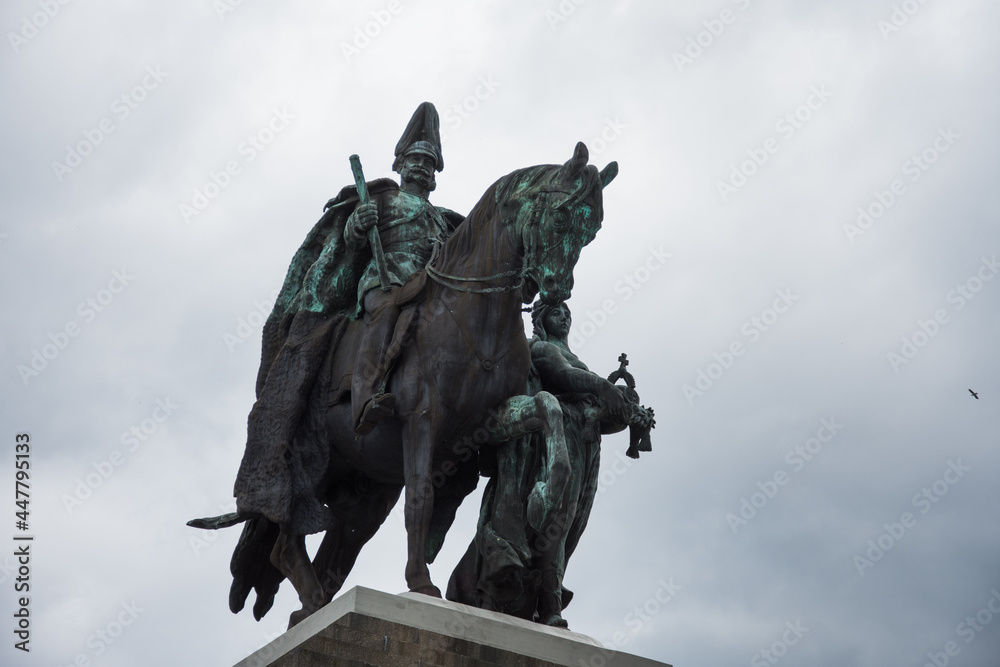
(560, 219)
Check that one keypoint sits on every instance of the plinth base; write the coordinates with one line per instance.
(367, 628)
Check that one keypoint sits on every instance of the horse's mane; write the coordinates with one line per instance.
(464, 240)
(503, 198)
(545, 177)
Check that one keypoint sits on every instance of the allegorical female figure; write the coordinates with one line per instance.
(514, 566)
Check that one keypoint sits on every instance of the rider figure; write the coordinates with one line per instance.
(408, 226)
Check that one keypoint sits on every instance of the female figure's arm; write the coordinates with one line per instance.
(559, 376)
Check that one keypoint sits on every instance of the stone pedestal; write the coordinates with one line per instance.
(363, 628)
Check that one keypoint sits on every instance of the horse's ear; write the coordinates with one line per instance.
(608, 174)
(579, 160)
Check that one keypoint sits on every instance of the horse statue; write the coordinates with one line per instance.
(459, 380)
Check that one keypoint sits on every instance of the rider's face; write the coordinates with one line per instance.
(418, 168)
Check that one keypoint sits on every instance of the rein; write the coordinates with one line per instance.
(439, 277)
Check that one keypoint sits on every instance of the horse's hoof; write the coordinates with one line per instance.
(555, 621)
(297, 617)
(430, 590)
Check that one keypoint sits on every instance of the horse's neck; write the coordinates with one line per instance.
(483, 246)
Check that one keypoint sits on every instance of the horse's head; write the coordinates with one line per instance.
(558, 210)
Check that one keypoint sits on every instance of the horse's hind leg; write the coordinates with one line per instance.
(290, 556)
(343, 541)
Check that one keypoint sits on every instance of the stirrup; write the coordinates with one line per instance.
(376, 409)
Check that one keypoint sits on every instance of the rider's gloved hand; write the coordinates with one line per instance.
(363, 218)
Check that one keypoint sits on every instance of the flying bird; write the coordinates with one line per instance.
(974, 394)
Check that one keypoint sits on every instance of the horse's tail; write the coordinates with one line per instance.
(222, 521)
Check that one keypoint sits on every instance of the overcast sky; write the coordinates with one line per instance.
(821, 174)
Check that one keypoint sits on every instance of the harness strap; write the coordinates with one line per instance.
(487, 363)
(440, 277)
(529, 264)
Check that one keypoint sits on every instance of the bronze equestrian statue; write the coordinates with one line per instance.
(459, 361)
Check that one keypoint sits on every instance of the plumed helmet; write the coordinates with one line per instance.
(422, 135)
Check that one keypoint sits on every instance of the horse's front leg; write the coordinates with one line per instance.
(520, 415)
(418, 451)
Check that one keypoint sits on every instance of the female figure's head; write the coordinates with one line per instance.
(551, 323)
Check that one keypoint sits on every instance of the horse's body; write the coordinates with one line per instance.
(464, 358)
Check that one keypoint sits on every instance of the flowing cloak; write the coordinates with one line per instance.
(283, 465)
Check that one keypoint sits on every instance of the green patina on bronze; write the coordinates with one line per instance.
(446, 343)
(538, 500)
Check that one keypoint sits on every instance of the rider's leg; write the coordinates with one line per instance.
(369, 402)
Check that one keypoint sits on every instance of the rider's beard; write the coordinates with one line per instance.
(418, 179)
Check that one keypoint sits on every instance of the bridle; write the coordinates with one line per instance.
(439, 278)
(528, 265)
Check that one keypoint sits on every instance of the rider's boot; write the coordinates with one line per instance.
(380, 406)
